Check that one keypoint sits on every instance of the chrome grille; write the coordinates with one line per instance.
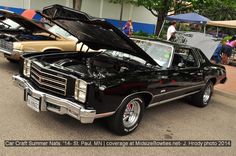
(48, 80)
(6, 45)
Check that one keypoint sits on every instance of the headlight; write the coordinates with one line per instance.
(17, 46)
(27, 66)
(80, 90)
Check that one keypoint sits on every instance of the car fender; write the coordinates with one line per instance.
(141, 93)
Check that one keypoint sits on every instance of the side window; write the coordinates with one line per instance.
(184, 58)
(202, 60)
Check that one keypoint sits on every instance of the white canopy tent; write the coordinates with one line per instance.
(226, 24)
(190, 18)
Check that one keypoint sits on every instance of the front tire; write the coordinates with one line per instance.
(128, 116)
(202, 98)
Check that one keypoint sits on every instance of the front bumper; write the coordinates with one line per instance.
(10, 52)
(55, 104)
(15, 54)
(4, 51)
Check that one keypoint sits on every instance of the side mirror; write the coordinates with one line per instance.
(181, 65)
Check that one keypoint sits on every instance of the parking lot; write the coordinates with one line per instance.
(172, 121)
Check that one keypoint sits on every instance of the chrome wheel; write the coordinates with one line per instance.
(128, 116)
(207, 94)
(131, 113)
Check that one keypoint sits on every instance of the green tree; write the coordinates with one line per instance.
(77, 4)
(121, 2)
(213, 9)
(217, 9)
(159, 8)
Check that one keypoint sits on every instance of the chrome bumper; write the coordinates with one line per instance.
(5, 51)
(12, 53)
(54, 103)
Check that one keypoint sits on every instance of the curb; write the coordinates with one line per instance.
(224, 93)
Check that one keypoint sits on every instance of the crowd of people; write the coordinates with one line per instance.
(221, 55)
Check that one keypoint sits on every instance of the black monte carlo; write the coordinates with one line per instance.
(113, 76)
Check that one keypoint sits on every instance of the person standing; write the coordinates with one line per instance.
(171, 31)
(216, 57)
(128, 28)
(228, 48)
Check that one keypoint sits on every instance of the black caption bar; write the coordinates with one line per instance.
(117, 143)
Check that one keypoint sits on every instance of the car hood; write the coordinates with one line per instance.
(94, 32)
(206, 43)
(24, 22)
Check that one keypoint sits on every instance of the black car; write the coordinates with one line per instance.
(114, 76)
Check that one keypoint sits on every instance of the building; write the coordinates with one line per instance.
(142, 19)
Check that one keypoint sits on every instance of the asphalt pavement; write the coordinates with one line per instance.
(230, 86)
(172, 121)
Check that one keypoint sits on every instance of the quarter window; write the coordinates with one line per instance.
(202, 60)
(185, 57)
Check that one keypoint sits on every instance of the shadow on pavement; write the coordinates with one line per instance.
(9, 66)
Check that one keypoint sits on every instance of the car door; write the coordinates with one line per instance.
(185, 75)
(159, 84)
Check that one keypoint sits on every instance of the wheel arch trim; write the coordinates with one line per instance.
(213, 79)
(137, 93)
(107, 114)
(51, 48)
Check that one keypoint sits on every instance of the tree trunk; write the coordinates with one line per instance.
(121, 13)
(162, 13)
(160, 21)
(77, 4)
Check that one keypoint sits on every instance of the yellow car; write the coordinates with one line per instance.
(26, 36)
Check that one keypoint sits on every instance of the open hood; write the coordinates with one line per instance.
(94, 32)
(24, 22)
(206, 43)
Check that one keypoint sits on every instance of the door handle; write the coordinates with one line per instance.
(206, 68)
(175, 74)
(164, 77)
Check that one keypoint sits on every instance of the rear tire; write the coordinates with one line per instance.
(202, 98)
(128, 116)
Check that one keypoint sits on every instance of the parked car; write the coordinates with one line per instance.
(118, 83)
(19, 35)
(9, 24)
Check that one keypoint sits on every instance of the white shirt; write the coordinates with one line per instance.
(170, 31)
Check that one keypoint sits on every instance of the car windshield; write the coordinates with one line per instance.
(158, 51)
(9, 24)
(124, 56)
(59, 31)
